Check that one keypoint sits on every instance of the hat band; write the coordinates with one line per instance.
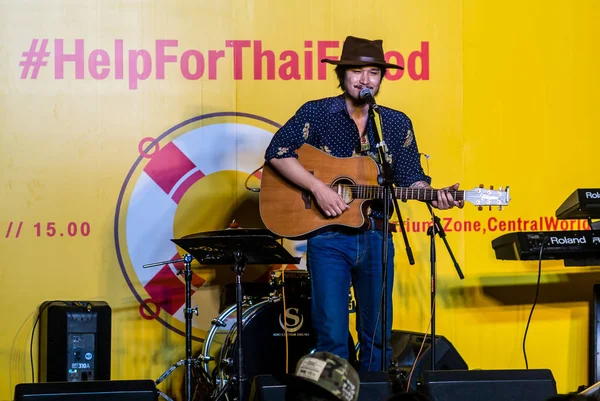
(370, 59)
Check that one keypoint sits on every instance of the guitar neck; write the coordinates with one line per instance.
(403, 193)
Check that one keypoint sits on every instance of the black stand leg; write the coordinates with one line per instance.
(431, 231)
(238, 378)
(384, 287)
(189, 312)
(436, 228)
(240, 264)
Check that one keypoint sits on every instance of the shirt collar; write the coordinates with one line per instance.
(338, 104)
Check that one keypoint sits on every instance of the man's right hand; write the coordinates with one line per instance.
(329, 201)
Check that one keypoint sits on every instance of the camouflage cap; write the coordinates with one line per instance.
(331, 373)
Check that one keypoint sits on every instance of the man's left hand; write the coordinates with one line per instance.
(445, 199)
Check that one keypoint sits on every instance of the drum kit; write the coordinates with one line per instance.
(253, 336)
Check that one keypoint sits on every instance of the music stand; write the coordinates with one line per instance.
(236, 247)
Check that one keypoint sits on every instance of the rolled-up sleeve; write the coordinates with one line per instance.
(407, 166)
(291, 136)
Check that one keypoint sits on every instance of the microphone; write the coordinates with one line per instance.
(367, 96)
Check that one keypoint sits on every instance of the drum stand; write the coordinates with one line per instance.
(237, 248)
(189, 312)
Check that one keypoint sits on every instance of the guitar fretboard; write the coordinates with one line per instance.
(402, 193)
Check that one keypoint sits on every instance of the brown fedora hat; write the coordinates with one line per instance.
(358, 52)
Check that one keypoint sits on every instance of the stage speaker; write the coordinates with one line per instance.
(374, 386)
(74, 342)
(594, 342)
(118, 390)
(489, 385)
(267, 388)
(405, 347)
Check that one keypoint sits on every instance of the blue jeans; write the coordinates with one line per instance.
(337, 259)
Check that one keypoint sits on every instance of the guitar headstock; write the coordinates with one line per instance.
(488, 197)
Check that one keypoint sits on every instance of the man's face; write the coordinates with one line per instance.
(359, 78)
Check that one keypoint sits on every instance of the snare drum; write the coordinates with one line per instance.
(297, 283)
(263, 339)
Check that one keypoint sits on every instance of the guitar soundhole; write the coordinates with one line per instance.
(343, 186)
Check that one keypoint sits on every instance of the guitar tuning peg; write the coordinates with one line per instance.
(500, 208)
(490, 208)
(500, 189)
(480, 185)
(491, 187)
(480, 208)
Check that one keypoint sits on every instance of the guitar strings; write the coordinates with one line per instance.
(370, 191)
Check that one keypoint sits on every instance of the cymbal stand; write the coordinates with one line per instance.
(189, 312)
(236, 248)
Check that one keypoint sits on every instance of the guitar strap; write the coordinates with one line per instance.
(364, 142)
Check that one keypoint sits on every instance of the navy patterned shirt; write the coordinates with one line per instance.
(327, 125)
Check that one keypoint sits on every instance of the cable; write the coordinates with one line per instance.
(32, 336)
(248, 178)
(383, 346)
(537, 292)
(426, 156)
(285, 330)
(420, 354)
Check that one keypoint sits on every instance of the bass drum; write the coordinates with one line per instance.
(264, 348)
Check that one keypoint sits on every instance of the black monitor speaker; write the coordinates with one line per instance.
(374, 386)
(489, 385)
(75, 341)
(118, 390)
(405, 349)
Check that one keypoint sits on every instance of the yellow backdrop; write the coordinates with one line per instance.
(128, 123)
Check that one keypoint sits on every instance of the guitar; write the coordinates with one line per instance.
(290, 212)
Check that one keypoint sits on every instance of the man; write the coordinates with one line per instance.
(322, 376)
(340, 257)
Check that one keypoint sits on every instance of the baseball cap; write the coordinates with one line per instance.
(327, 372)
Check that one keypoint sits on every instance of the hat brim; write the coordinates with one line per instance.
(361, 63)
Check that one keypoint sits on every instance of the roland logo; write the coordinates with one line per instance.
(592, 195)
(567, 241)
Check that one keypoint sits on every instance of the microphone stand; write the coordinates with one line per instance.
(386, 181)
(436, 228)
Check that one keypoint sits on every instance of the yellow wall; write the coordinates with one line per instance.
(510, 99)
